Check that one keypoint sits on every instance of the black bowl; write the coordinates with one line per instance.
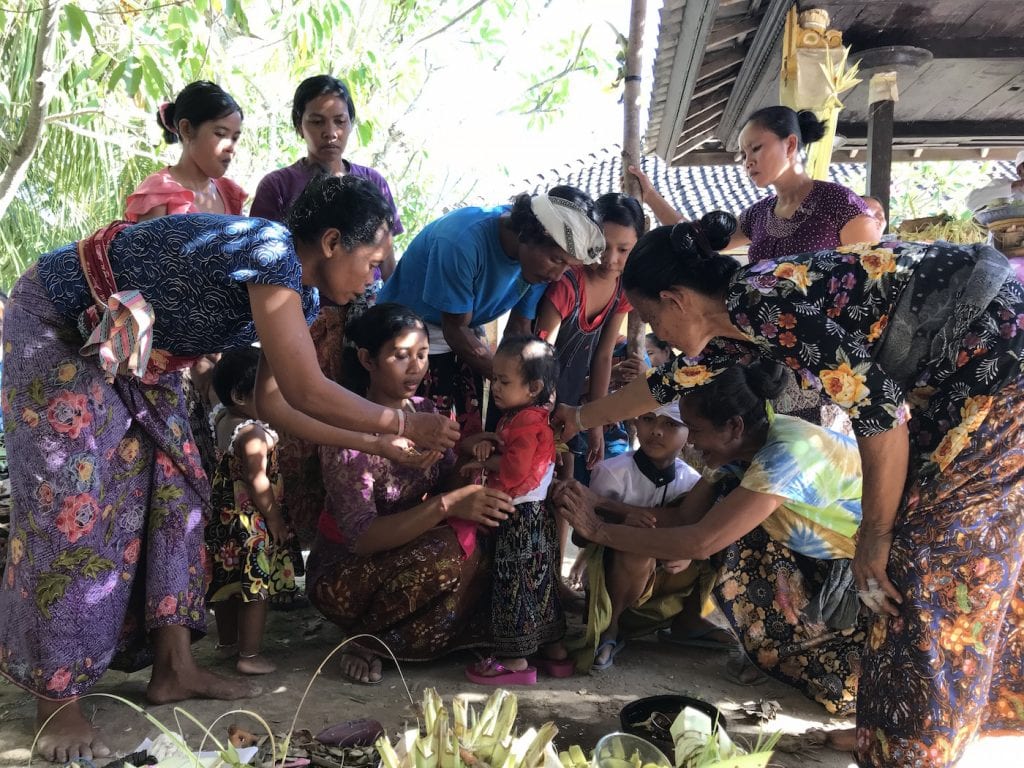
(669, 704)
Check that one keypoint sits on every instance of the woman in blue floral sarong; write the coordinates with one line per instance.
(106, 551)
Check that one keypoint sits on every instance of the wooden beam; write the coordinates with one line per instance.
(769, 31)
(717, 62)
(729, 32)
(692, 143)
(714, 85)
(944, 129)
(880, 125)
(941, 48)
(695, 26)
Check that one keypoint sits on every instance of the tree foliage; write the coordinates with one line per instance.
(114, 61)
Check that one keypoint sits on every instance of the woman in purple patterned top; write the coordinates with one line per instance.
(395, 554)
(804, 214)
(323, 114)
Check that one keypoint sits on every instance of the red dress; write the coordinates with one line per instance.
(160, 188)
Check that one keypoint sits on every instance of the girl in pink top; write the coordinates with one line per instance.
(207, 122)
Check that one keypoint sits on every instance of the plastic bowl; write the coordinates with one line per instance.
(670, 705)
(624, 750)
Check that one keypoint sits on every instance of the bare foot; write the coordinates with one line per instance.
(193, 682)
(361, 667)
(226, 650)
(68, 736)
(554, 652)
(257, 664)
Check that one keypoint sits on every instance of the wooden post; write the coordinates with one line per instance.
(881, 106)
(631, 142)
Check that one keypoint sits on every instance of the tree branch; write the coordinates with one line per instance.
(450, 24)
(44, 85)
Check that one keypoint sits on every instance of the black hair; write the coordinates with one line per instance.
(741, 390)
(353, 206)
(537, 362)
(622, 210)
(371, 331)
(235, 372)
(685, 254)
(664, 346)
(315, 86)
(198, 102)
(784, 122)
(528, 227)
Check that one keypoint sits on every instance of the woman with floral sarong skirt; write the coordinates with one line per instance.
(775, 513)
(396, 554)
(108, 496)
(921, 345)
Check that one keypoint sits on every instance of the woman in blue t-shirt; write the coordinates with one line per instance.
(108, 497)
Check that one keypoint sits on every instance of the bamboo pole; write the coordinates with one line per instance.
(631, 142)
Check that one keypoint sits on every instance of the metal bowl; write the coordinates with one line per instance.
(998, 210)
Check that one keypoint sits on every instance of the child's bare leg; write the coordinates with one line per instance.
(226, 613)
(626, 576)
(252, 618)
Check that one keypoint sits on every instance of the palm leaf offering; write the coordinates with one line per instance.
(463, 738)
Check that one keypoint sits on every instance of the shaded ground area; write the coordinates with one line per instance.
(584, 707)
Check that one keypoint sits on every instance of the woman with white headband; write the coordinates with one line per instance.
(473, 265)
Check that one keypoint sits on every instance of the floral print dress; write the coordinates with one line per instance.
(243, 560)
(897, 335)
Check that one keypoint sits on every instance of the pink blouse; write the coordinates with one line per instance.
(160, 188)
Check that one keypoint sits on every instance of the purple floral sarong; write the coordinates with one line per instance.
(108, 508)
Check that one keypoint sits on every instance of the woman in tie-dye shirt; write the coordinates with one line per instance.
(775, 513)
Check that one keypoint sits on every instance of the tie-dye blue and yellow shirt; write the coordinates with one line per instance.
(818, 473)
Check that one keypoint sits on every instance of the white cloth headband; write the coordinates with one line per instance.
(570, 227)
(671, 410)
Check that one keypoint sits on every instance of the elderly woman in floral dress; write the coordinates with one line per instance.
(921, 345)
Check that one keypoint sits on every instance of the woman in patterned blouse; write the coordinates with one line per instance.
(775, 513)
(921, 345)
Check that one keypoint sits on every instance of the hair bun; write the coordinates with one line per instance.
(165, 119)
(811, 128)
(718, 228)
(767, 378)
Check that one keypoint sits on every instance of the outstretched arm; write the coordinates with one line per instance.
(288, 348)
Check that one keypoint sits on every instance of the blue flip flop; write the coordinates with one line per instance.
(615, 646)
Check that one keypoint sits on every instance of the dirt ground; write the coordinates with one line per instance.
(584, 707)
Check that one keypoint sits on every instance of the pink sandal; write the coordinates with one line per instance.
(558, 668)
(478, 673)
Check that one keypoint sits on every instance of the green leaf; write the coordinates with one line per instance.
(365, 131)
(35, 391)
(72, 558)
(76, 21)
(96, 565)
(116, 75)
(50, 588)
(963, 601)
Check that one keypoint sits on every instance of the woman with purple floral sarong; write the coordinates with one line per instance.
(922, 346)
(109, 498)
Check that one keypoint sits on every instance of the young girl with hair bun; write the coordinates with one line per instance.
(207, 122)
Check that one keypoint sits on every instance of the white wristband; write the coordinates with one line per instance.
(401, 421)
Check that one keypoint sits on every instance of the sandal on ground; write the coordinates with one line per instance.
(556, 667)
(614, 647)
(490, 671)
(713, 638)
(369, 666)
